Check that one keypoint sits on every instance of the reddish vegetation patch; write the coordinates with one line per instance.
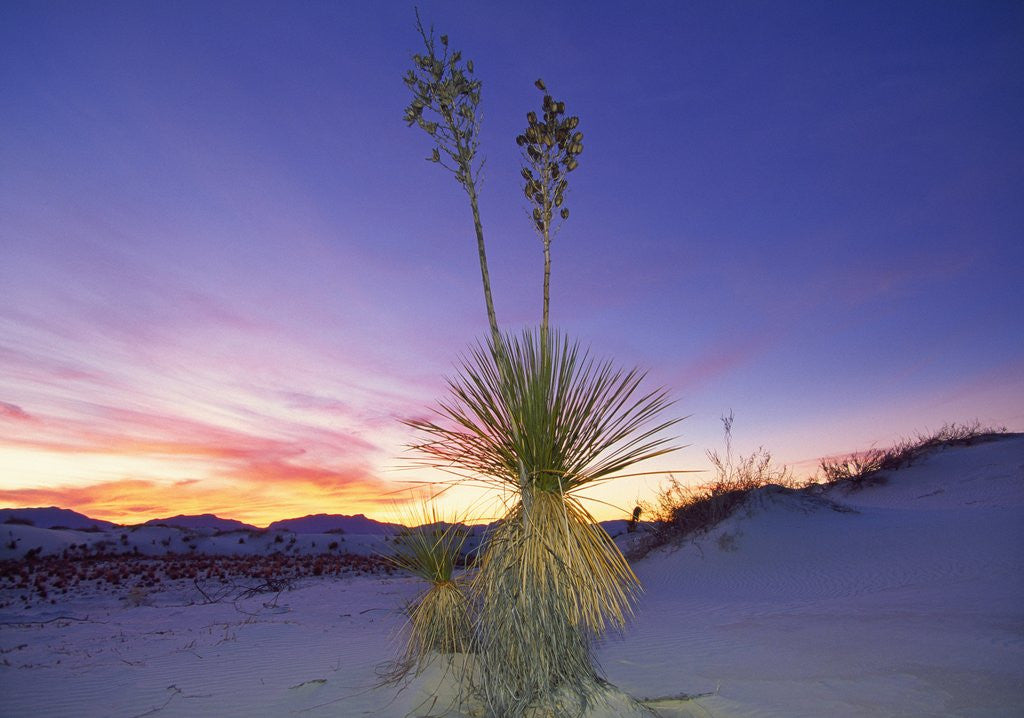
(49, 577)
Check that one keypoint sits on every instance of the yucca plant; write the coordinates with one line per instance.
(439, 618)
(540, 421)
(534, 417)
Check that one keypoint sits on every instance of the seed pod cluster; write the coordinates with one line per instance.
(550, 145)
(445, 96)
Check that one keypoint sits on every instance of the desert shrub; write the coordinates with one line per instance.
(865, 468)
(681, 510)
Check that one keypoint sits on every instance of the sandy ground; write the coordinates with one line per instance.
(910, 604)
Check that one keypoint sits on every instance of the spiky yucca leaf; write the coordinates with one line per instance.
(432, 549)
(537, 412)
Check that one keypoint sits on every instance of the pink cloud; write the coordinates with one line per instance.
(720, 359)
(13, 412)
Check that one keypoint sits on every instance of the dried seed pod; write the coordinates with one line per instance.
(571, 165)
(540, 84)
(521, 140)
(536, 214)
(469, 66)
(444, 40)
(558, 200)
(565, 213)
(531, 117)
(527, 174)
(435, 156)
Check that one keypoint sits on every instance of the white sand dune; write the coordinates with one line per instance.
(911, 604)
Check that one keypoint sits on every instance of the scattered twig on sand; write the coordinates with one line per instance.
(50, 620)
(151, 711)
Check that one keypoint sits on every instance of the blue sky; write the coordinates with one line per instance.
(228, 271)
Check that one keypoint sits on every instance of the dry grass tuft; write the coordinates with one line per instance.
(679, 510)
(864, 468)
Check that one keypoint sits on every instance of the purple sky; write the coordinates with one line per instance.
(227, 272)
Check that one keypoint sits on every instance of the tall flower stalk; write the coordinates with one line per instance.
(445, 100)
(550, 145)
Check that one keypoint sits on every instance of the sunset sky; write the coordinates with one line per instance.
(227, 272)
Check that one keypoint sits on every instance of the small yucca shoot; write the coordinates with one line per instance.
(439, 618)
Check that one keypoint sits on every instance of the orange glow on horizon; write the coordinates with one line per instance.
(137, 501)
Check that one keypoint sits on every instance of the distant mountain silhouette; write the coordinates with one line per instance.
(201, 521)
(51, 516)
(323, 523)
